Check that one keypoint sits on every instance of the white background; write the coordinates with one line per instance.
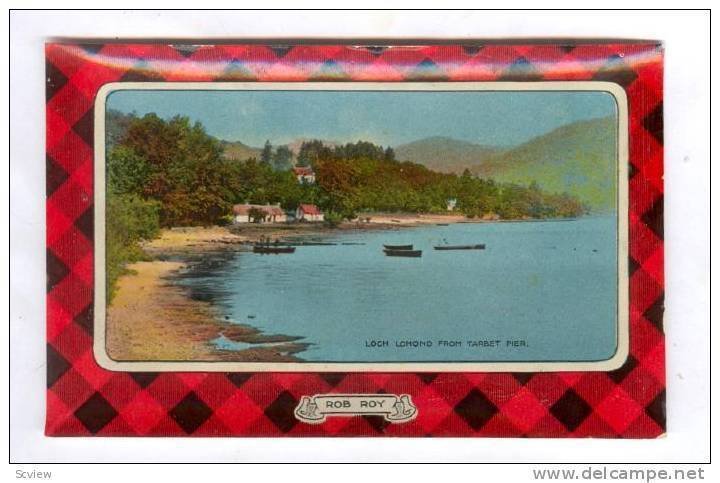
(687, 107)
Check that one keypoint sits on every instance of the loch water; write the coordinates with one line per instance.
(540, 291)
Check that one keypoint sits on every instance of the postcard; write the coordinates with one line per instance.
(344, 247)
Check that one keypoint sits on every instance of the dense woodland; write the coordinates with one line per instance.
(163, 173)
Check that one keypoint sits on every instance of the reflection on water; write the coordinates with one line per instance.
(541, 291)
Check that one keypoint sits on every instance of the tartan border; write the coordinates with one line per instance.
(84, 399)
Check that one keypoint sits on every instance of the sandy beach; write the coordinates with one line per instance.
(412, 219)
(152, 319)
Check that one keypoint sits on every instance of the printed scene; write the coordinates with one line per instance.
(361, 226)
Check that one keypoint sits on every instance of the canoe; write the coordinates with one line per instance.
(398, 247)
(480, 246)
(272, 250)
(403, 253)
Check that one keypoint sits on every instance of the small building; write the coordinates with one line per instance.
(309, 213)
(304, 174)
(451, 204)
(243, 213)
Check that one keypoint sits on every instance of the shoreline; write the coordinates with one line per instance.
(151, 318)
(182, 240)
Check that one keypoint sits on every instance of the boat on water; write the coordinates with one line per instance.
(306, 244)
(403, 253)
(398, 247)
(272, 250)
(479, 246)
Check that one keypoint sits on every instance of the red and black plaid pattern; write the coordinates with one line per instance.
(83, 399)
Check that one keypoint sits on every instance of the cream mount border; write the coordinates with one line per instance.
(623, 319)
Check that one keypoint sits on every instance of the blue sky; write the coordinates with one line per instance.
(387, 118)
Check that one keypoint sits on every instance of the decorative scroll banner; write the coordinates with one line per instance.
(395, 409)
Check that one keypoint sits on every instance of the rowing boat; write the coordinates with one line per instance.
(480, 246)
(398, 247)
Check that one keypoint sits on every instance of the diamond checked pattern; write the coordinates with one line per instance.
(95, 413)
(56, 176)
(571, 410)
(54, 81)
(190, 413)
(83, 399)
(476, 409)
(280, 412)
(57, 366)
(653, 122)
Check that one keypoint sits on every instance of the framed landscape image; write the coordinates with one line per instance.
(345, 226)
(290, 239)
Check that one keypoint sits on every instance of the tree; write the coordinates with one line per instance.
(332, 219)
(127, 172)
(256, 215)
(313, 151)
(266, 155)
(129, 220)
(282, 159)
(360, 149)
(185, 171)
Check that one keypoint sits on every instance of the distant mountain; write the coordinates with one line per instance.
(238, 151)
(579, 158)
(445, 154)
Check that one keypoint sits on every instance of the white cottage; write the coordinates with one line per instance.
(306, 212)
(304, 174)
(272, 213)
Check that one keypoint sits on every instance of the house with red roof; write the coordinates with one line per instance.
(304, 174)
(306, 212)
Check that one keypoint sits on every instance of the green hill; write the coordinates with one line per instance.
(238, 151)
(444, 154)
(579, 158)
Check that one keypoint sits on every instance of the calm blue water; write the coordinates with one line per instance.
(540, 291)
